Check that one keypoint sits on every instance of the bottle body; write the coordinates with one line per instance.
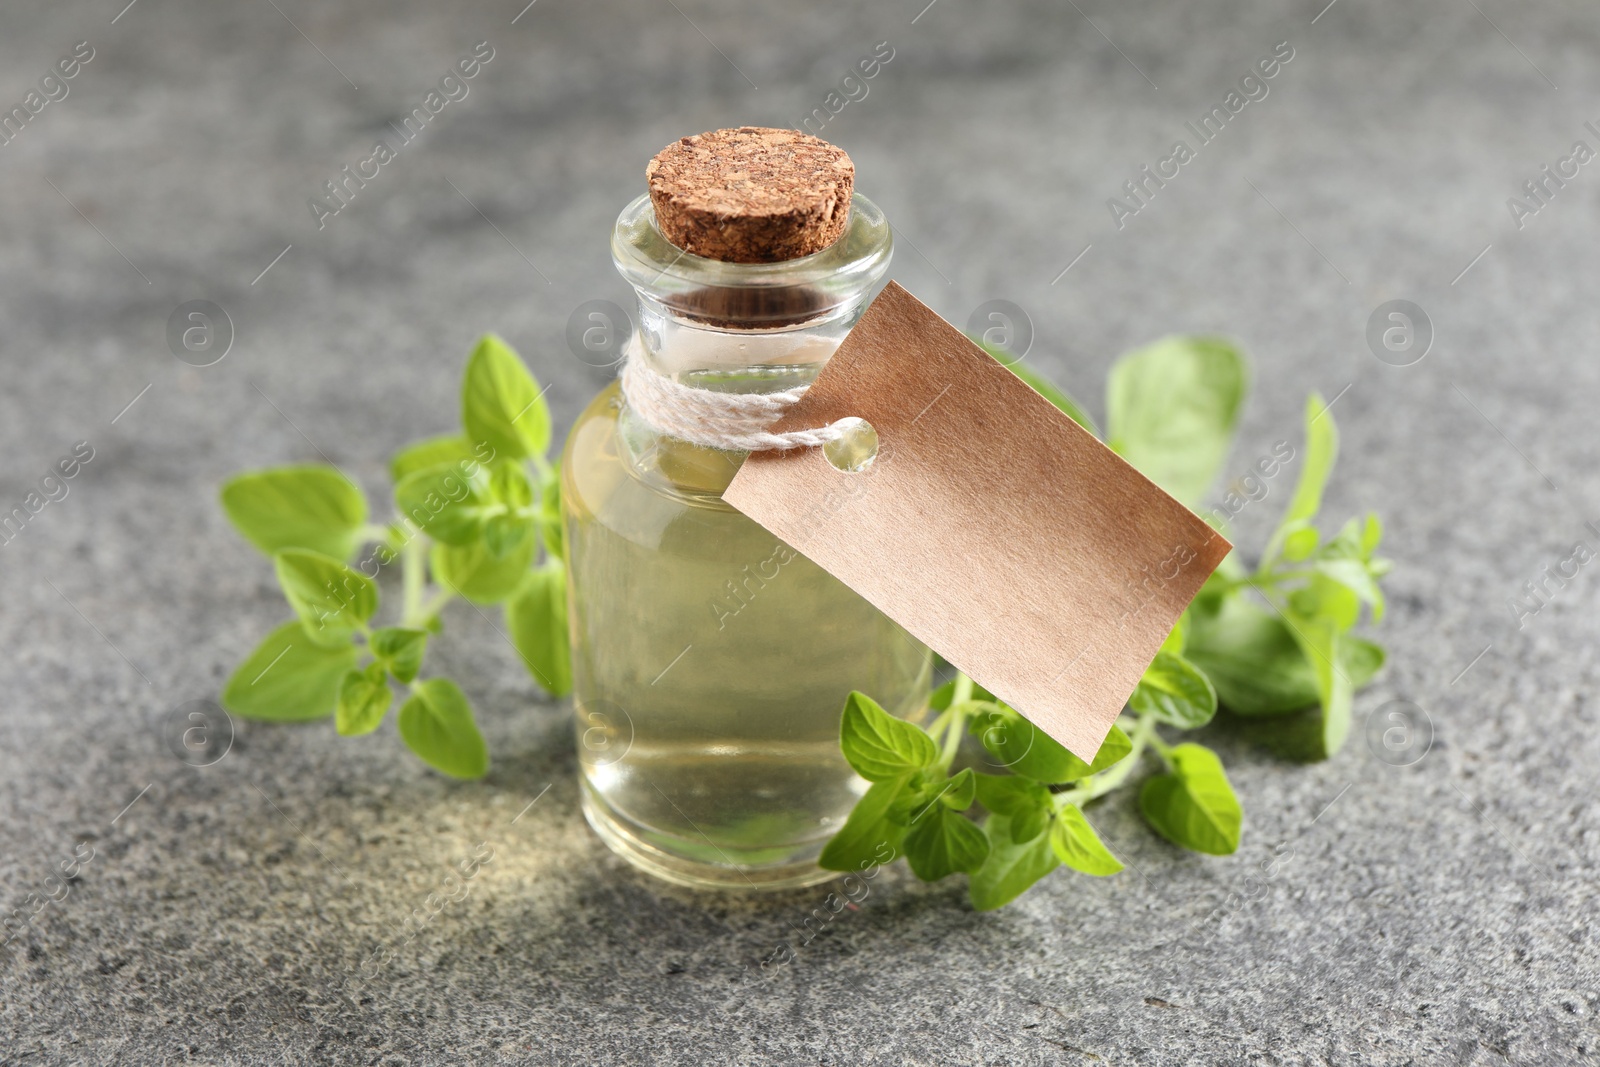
(710, 661)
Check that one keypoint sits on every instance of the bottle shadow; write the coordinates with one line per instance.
(562, 902)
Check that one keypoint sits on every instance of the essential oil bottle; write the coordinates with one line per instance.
(711, 661)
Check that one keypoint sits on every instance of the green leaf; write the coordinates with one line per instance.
(1322, 640)
(923, 788)
(332, 599)
(550, 528)
(296, 507)
(1322, 597)
(1025, 749)
(1172, 408)
(364, 698)
(1007, 794)
(869, 838)
(1175, 692)
(509, 487)
(513, 516)
(1011, 867)
(1353, 575)
(399, 650)
(1077, 845)
(1020, 746)
(1360, 659)
(476, 574)
(1024, 802)
(1193, 805)
(446, 450)
(1029, 823)
(1299, 542)
(460, 504)
(1256, 665)
(941, 842)
(1322, 451)
(1371, 534)
(1178, 635)
(1114, 749)
(504, 534)
(436, 723)
(448, 503)
(537, 621)
(880, 746)
(288, 678)
(501, 403)
(958, 793)
(1040, 384)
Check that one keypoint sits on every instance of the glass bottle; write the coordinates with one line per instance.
(710, 661)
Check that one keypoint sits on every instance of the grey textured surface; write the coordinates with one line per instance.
(1438, 913)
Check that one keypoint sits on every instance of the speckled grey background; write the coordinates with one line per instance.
(1436, 913)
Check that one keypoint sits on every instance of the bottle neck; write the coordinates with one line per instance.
(723, 358)
(749, 327)
(729, 356)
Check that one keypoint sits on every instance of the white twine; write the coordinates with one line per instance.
(733, 421)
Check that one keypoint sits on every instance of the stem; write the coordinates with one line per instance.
(953, 720)
(1163, 749)
(962, 691)
(436, 605)
(1100, 784)
(412, 567)
(952, 739)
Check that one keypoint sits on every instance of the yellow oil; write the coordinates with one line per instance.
(710, 663)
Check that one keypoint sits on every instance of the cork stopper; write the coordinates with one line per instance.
(751, 195)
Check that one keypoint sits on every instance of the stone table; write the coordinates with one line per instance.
(1401, 903)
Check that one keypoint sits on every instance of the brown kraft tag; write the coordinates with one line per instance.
(990, 526)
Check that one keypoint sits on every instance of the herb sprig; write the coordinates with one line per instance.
(477, 517)
(1262, 642)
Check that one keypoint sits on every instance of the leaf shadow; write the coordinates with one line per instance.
(1295, 737)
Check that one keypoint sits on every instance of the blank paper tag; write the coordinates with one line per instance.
(991, 526)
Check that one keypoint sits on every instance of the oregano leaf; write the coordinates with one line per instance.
(1175, 692)
(1011, 866)
(313, 507)
(501, 403)
(445, 450)
(449, 503)
(474, 572)
(1025, 802)
(536, 619)
(1171, 410)
(880, 746)
(1024, 749)
(288, 678)
(1193, 805)
(333, 600)
(400, 650)
(941, 842)
(364, 698)
(1077, 845)
(869, 838)
(436, 723)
